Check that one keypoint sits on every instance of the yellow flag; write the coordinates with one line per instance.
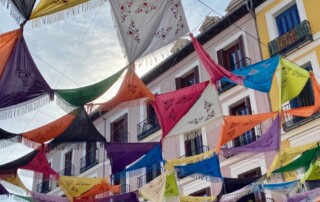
(75, 186)
(46, 7)
(171, 187)
(197, 199)
(313, 173)
(293, 80)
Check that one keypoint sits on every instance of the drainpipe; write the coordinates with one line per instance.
(104, 148)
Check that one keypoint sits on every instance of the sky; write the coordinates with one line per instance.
(78, 51)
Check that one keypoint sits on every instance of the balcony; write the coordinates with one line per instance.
(147, 127)
(68, 170)
(89, 160)
(223, 86)
(149, 176)
(44, 186)
(244, 139)
(291, 121)
(293, 39)
(196, 151)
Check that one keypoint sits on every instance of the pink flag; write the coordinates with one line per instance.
(215, 71)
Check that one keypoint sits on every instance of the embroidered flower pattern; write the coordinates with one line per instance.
(180, 25)
(163, 33)
(174, 6)
(132, 88)
(210, 115)
(172, 115)
(207, 105)
(146, 7)
(60, 1)
(167, 104)
(133, 31)
(195, 121)
(184, 99)
(23, 76)
(125, 10)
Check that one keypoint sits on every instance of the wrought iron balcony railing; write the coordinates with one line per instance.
(149, 176)
(89, 160)
(223, 86)
(147, 127)
(291, 40)
(244, 139)
(196, 151)
(291, 121)
(68, 170)
(44, 186)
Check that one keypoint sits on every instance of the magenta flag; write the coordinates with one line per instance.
(172, 106)
(215, 70)
(269, 141)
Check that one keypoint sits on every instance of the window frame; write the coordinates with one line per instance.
(115, 125)
(193, 71)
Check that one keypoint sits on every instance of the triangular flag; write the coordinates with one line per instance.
(215, 71)
(154, 190)
(172, 106)
(171, 187)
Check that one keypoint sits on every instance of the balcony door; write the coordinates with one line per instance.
(119, 129)
(193, 143)
(68, 164)
(91, 151)
(288, 20)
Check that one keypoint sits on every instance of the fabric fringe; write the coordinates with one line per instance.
(36, 175)
(61, 15)
(64, 146)
(23, 108)
(11, 141)
(31, 144)
(64, 105)
(14, 12)
(207, 178)
(17, 198)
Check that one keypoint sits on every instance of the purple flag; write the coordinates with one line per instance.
(312, 195)
(39, 197)
(128, 197)
(268, 142)
(123, 154)
(21, 82)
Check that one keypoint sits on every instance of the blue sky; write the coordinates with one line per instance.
(78, 51)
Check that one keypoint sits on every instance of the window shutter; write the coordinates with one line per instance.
(178, 83)
(243, 55)
(221, 59)
(248, 105)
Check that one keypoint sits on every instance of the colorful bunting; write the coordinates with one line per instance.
(127, 197)
(22, 87)
(75, 186)
(171, 107)
(282, 187)
(123, 154)
(81, 96)
(286, 155)
(303, 161)
(100, 188)
(215, 71)
(3, 190)
(80, 130)
(234, 126)
(170, 164)
(269, 141)
(146, 26)
(258, 76)
(52, 130)
(171, 187)
(132, 88)
(154, 190)
(234, 184)
(24, 7)
(236, 195)
(293, 80)
(14, 180)
(206, 109)
(209, 167)
(309, 110)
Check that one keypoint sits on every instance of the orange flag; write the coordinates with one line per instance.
(101, 188)
(7, 43)
(132, 88)
(51, 130)
(308, 110)
(234, 126)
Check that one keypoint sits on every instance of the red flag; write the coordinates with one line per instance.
(215, 71)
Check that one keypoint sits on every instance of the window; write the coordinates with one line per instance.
(233, 57)
(152, 173)
(243, 108)
(202, 193)
(193, 143)
(188, 79)
(288, 20)
(256, 172)
(119, 129)
(90, 159)
(68, 167)
(120, 179)
(149, 125)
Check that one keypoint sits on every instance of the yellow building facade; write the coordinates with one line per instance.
(291, 28)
